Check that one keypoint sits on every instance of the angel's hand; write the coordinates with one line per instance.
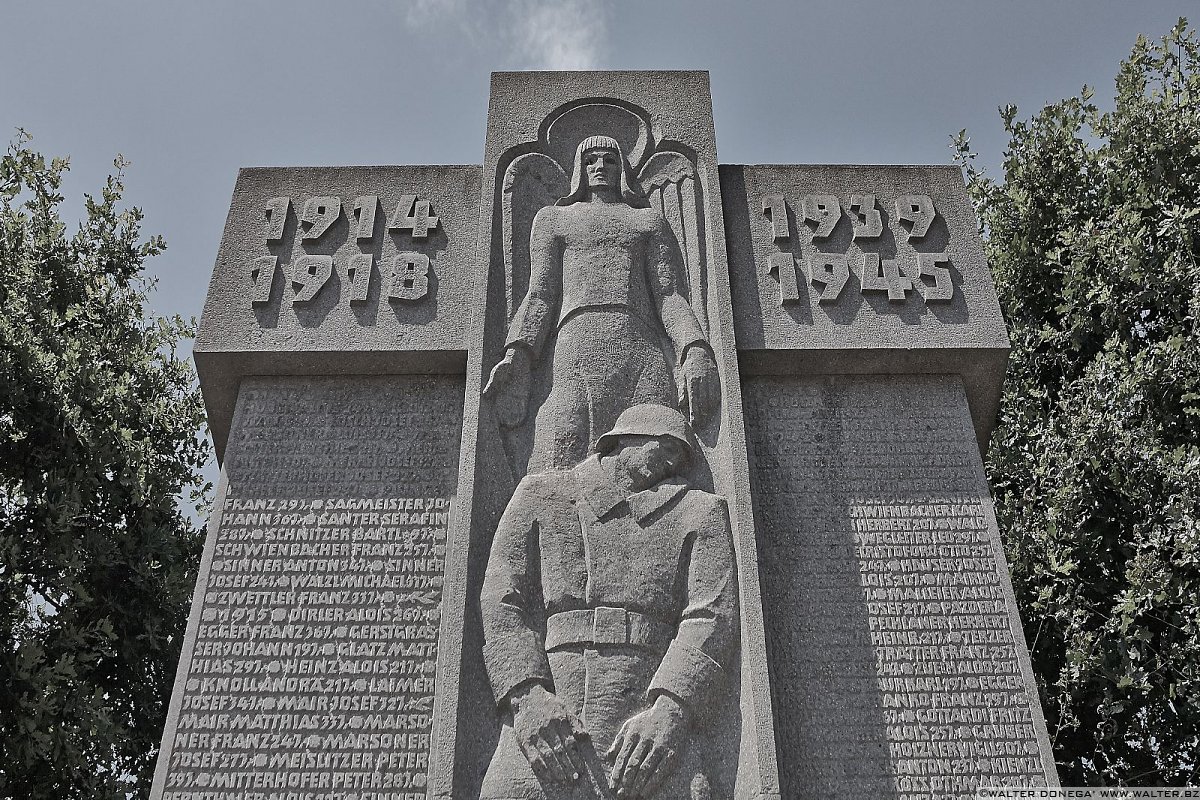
(701, 390)
(508, 387)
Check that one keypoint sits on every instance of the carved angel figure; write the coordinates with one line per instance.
(607, 279)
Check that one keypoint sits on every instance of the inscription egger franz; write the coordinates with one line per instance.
(312, 670)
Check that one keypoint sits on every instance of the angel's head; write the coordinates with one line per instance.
(600, 165)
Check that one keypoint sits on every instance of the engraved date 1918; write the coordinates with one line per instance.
(405, 274)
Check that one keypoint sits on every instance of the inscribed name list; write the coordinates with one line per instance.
(311, 674)
(891, 640)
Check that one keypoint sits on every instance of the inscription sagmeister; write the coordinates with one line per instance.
(311, 674)
(890, 640)
(829, 272)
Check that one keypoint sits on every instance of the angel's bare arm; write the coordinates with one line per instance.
(701, 385)
(535, 318)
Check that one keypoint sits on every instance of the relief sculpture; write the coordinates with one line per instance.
(609, 602)
(610, 264)
(609, 609)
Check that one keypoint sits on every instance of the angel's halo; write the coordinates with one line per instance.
(570, 125)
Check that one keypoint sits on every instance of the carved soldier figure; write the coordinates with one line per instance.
(606, 275)
(609, 615)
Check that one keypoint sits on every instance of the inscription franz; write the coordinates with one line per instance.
(311, 673)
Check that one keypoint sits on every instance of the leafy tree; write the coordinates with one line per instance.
(1093, 235)
(98, 438)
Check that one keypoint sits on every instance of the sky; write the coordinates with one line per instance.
(190, 92)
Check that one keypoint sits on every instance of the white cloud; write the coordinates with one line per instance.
(529, 34)
(559, 34)
(421, 13)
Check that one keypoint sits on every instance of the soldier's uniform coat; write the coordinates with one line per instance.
(607, 600)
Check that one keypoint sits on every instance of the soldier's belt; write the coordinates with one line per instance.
(604, 625)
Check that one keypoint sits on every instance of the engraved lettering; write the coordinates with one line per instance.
(775, 207)
(310, 273)
(319, 214)
(410, 276)
(901, 640)
(313, 668)
(918, 210)
(413, 214)
(825, 210)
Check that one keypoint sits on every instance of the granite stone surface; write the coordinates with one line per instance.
(309, 662)
(897, 657)
(662, 123)
(863, 270)
(377, 283)
(598, 471)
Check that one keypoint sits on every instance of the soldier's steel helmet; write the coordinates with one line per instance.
(649, 419)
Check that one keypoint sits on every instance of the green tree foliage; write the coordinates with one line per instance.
(1093, 235)
(98, 438)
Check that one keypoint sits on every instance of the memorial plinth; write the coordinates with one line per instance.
(602, 471)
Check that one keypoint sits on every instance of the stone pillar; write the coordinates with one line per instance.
(542, 117)
(873, 354)
(847, 328)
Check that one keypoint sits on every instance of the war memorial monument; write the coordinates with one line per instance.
(602, 470)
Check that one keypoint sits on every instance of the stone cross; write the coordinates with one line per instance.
(601, 470)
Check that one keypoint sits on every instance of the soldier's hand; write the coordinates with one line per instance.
(701, 390)
(546, 732)
(648, 747)
(508, 387)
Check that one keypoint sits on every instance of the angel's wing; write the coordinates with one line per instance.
(669, 181)
(532, 182)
